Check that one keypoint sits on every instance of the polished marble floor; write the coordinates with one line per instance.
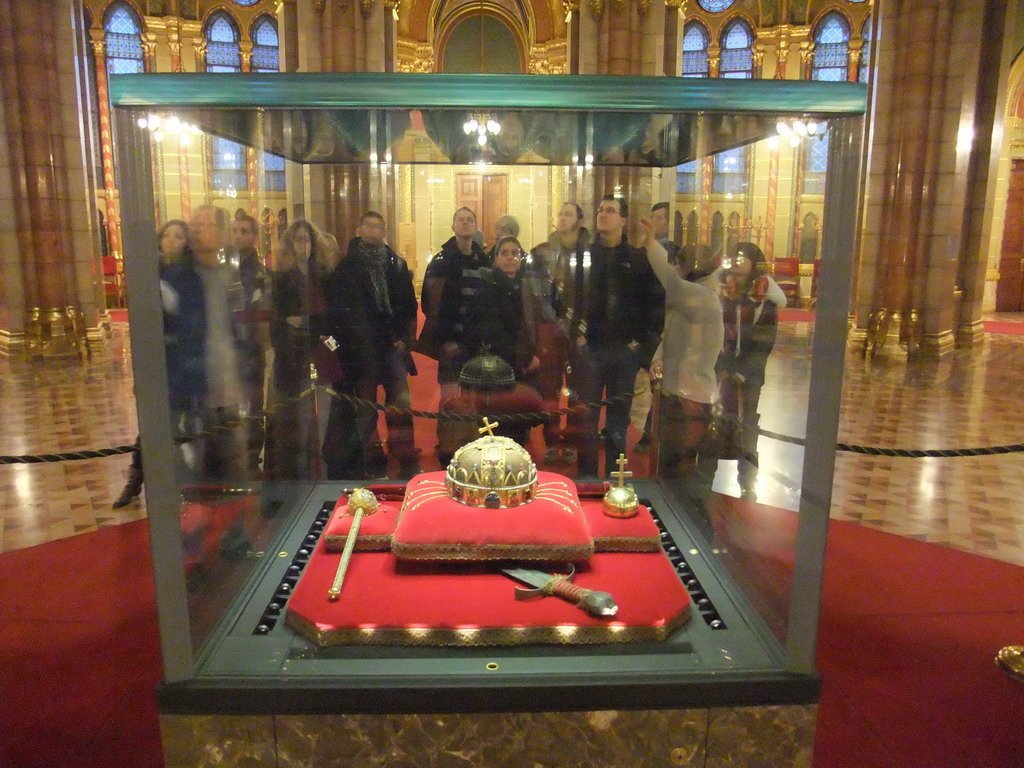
(967, 400)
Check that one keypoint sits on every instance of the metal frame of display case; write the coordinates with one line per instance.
(383, 680)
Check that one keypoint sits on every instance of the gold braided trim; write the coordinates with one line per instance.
(627, 544)
(375, 543)
(492, 551)
(428, 636)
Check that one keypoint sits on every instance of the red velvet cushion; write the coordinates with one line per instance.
(374, 530)
(389, 602)
(435, 527)
(616, 534)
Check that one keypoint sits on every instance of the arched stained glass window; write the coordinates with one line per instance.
(865, 51)
(831, 48)
(273, 172)
(815, 165)
(729, 172)
(227, 165)
(715, 6)
(265, 56)
(737, 54)
(695, 50)
(222, 51)
(688, 178)
(124, 40)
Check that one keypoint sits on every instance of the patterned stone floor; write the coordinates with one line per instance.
(966, 400)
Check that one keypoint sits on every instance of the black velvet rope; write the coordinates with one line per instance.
(536, 416)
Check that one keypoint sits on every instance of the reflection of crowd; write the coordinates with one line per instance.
(578, 318)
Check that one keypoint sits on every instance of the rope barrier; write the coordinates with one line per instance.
(535, 416)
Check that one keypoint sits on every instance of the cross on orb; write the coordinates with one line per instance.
(622, 474)
(488, 427)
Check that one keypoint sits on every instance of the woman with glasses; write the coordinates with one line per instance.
(504, 314)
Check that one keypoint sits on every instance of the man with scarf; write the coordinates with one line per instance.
(372, 312)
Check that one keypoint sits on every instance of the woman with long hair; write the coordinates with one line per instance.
(303, 261)
(750, 303)
(172, 246)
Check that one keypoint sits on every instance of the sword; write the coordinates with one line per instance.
(598, 604)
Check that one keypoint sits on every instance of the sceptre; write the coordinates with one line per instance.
(360, 501)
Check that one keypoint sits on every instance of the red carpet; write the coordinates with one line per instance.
(1000, 326)
(908, 634)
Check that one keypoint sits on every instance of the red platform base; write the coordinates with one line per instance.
(385, 601)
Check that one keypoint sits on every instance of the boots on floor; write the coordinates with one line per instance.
(132, 489)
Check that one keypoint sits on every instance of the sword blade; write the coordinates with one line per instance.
(537, 579)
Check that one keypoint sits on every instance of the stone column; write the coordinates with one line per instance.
(44, 156)
(928, 172)
(354, 38)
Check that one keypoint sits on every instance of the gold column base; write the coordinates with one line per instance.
(934, 345)
(55, 333)
(1011, 660)
(970, 334)
(12, 344)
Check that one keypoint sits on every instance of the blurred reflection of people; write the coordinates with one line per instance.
(253, 331)
(372, 309)
(505, 226)
(659, 220)
(172, 242)
(750, 310)
(296, 324)
(201, 295)
(558, 272)
(453, 277)
(685, 361)
(617, 336)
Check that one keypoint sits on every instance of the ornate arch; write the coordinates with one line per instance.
(1015, 88)
(99, 18)
(443, 23)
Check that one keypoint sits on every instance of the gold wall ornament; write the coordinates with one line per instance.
(642, 6)
(366, 6)
(318, 5)
(571, 7)
(597, 8)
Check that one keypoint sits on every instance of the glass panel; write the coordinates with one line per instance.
(312, 345)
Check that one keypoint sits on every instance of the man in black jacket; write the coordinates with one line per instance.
(453, 278)
(371, 308)
(618, 336)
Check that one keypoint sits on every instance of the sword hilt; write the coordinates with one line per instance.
(598, 604)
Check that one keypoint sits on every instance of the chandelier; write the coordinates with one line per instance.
(483, 125)
(161, 127)
(798, 129)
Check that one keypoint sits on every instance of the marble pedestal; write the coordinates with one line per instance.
(737, 737)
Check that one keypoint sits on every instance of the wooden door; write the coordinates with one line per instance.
(486, 195)
(1010, 288)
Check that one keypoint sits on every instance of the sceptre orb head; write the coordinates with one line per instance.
(362, 498)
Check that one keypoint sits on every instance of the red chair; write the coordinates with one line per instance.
(786, 273)
(113, 282)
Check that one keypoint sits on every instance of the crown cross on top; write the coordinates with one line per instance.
(488, 427)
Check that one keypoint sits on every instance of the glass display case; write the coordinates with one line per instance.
(343, 308)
